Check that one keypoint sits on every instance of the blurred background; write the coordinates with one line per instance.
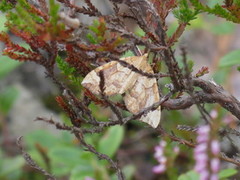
(26, 93)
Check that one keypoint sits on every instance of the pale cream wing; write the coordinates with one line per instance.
(118, 78)
(143, 94)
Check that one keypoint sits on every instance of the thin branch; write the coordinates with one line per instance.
(80, 136)
(101, 156)
(31, 162)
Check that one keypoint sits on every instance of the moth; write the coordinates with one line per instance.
(138, 91)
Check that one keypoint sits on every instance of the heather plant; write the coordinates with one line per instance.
(137, 75)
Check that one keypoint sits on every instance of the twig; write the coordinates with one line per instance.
(80, 136)
(31, 162)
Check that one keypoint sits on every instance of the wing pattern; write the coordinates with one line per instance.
(140, 91)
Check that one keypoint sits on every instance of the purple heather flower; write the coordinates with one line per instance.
(214, 177)
(199, 167)
(163, 143)
(205, 129)
(228, 119)
(215, 147)
(205, 154)
(203, 134)
(162, 160)
(201, 158)
(215, 163)
(88, 178)
(203, 138)
(214, 114)
(158, 152)
(200, 148)
(176, 149)
(159, 168)
(204, 175)
(159, 155)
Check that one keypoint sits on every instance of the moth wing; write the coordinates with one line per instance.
(143, 94)
(118, 78)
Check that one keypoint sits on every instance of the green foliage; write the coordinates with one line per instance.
(139, 32)
(100, 35)
(222, 28)
(226, 173)
(23, 18)
(81, 172)
(221, 75)
(128, 171)
(5, 6)
(53, 12)
(7, 65)
(217, 10)
(190, 175)
(2, 22)
(236, 2)
(110, 142)
(98, 29)
(68, 158)
(190, 64)
(10, 168)
(68, 71)
(230, 59)
(184, 13)
(7, 98)
(91, 38)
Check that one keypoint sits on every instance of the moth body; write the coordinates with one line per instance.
(140, 91)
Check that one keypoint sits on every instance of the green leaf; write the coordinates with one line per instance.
(10, 165)
(64, 159)
(5, 6)
(221, 75)
(7, 65)
(226, 173)
(190, 175)
(92, 38)
(172, 28)
(7, 98)
(128, 54)
(81, 172)
(128, 172)
(211, 4)
(42, 137)
(53, 11)
(139, 32)
(67, 155)
(111, 140)
(68, 71)
(2, 22)
(184, 13)
(190, 64)
(230, 59)
(223, 28)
